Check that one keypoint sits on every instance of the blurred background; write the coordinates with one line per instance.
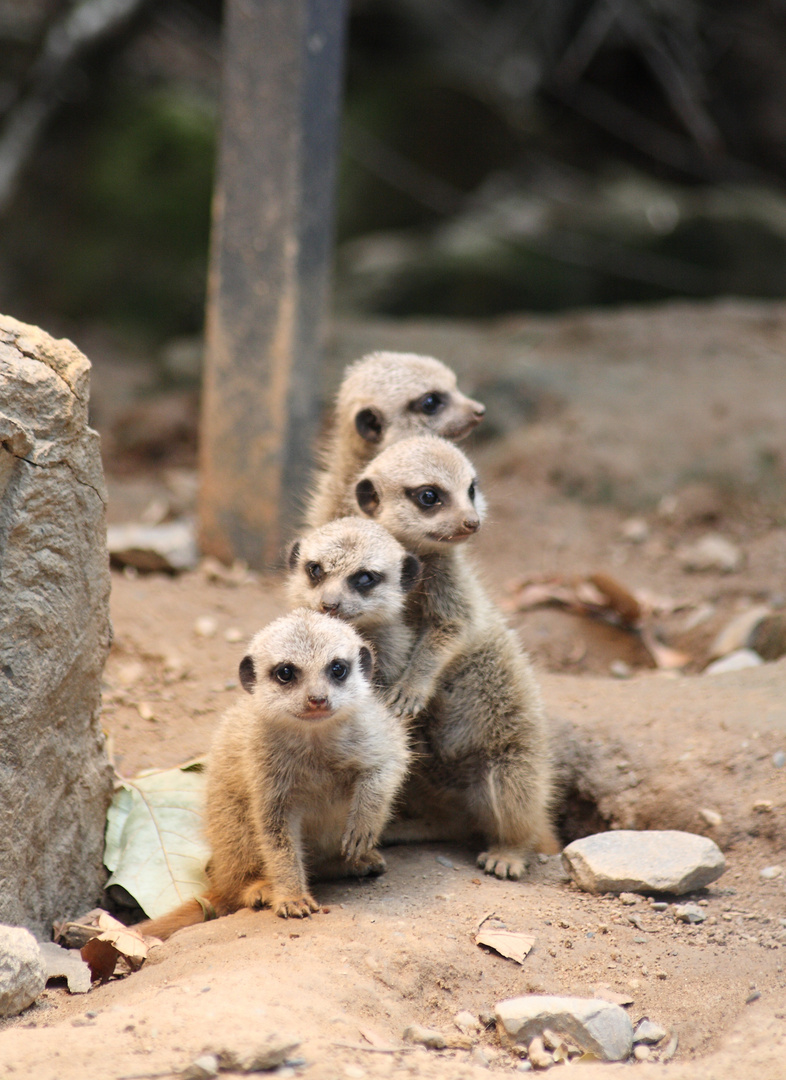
(497, 156)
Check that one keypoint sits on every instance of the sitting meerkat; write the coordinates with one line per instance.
(354, 569)
(384, 397)
(481, 756)
(301, 775)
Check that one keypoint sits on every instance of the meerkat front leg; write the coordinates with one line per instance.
(368, 814)
(514, 816)
(436, 647)
(285, 887)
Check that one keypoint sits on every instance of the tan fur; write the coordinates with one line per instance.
(482, 759)
(382, 400)
(301, 776)
(355, 570)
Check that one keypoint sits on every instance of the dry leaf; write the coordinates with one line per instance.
(507, 943)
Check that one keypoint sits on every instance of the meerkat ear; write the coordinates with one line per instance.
(248, 676)
(370, 424)
(367, 496)
(293, 554)
(410, 571)
(366, 661)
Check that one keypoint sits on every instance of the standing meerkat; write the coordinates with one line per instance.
(352, 568)
(481, 760)
(384, 397)
(301, 776)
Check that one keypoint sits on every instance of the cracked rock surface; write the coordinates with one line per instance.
(54, 632)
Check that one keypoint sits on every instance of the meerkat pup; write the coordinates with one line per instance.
(384, 397)
(352, 568)
(481, 762)
(302, 774)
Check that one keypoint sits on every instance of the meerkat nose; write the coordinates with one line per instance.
(478, 409)
(330, 608)
(316, 702)
(471, 524)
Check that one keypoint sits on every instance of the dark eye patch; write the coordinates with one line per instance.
(429, 403)
(472, 491)
(364, 580)
(338, 670)
(315, 572)
(285, 673)
(427, 496)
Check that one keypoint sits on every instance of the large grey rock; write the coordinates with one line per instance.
(22, 970)
(648, 861)
(55, 780)
(595, 1026)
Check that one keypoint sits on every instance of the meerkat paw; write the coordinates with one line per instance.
(370, 865)
(295, 907)
(405, 703)
(503, 864)
(357, 843)
(257, 895)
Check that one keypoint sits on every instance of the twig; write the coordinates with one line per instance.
(370, 1049)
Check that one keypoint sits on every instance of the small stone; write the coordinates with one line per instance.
(635, 530)
(479, 1058)
(594, 1026)
(66, 964)
(22, 970)
(538, 1055)
(145, 710)
(423, 1036)
(779, 759)
(659, 905)
(444, 861)
(628, 898)
(620, 670)
(205, 626)
(233, 634)
(271, 1053)
(204, 1068)
(736, 661)
(771, 872)
(154, 548)
(711, 552)
(354, 1072)
(647, 1032)
(641, 1052)
(711, 817)
(657, 860)
(466, 1022)
(763, 806)
(689, 913)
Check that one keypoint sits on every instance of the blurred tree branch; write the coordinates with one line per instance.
(71, 37)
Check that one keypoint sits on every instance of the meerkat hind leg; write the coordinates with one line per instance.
(369, 865)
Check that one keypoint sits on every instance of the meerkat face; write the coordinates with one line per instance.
(352, 569)
(389, 396)
(424, 491)
(306, 666)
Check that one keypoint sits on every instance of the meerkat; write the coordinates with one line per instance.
(481, 756)
(353, 569)
(384, 397)
(302, 774)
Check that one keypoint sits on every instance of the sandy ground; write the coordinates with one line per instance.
(675, 417)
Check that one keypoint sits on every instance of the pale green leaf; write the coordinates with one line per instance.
(155, 844)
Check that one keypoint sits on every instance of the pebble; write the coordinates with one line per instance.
(479, 1058)
(635, 530)
(233, 634)
(204, 1068)
(628, 898)
(538, 1055)
(779, 759)
(712, 817)
(735, 661)
(205, 626)
(66, 964)
(620, 670)
(711, 552)
(641, 1052)
(465, 1021)
(423, 1036)
(770, 872)
(168, 547)
(657, 860)
(689, 913)
(22, 970)
(444, 862)
(594, 1026)
(647, 1032)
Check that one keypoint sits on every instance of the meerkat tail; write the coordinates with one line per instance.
(198, 909)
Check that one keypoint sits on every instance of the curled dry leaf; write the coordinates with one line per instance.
(507, 943)
(114, 946)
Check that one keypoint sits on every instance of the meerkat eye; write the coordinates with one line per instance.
(428, 497)
(285, 673)
(315, 571)
(339, 670)
(430, 403)
(365, 579)
(471, 491)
